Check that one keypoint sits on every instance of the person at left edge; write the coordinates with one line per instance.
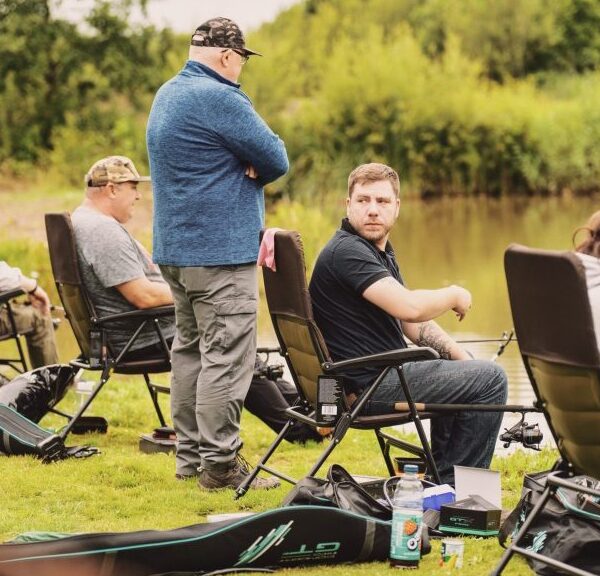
(33, 320)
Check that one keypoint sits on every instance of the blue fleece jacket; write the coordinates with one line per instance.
(202, 133)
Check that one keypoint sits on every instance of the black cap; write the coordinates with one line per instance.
(221, 33)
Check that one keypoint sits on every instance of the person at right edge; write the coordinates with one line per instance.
(210, 156)
(362, 307)
(588, 251)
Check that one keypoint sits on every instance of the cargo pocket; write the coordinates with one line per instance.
(236, 321)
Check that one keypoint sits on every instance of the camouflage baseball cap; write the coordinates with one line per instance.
(221, 33)
(113, 169)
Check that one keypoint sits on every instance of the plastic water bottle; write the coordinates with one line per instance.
(84, 389)
(407, 520)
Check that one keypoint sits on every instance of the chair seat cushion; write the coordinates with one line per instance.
(151, 366)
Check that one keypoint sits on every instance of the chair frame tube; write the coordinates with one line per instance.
(553, 483)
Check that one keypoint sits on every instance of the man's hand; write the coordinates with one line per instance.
(251, 172)
(40, 300)
(463, 301)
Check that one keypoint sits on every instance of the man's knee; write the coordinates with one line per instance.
(497, 382)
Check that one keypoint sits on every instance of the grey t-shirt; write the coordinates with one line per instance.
(108, 256)
(592, 276)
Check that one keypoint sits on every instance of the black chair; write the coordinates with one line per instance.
(306, 355)
(89, 329)
(18, 364)
(553, 322)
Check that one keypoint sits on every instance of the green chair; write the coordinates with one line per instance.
(553, 322)
(307, 357)
(89, 328)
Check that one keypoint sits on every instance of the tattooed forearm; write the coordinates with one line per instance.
(431, 335)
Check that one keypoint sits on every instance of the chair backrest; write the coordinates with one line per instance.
(65, 268)
(291, 312)
(553, 322)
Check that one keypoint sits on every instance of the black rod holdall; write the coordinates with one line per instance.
(283, 537)
(567, 529)
(19, 436)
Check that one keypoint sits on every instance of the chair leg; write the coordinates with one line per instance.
(154, 396)
(431, 466)
(419, 426)
(338, 434)
(103, 380)
(245, 485)
(384, 446)
(386, 441)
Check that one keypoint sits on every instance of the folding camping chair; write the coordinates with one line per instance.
(553, 322)
(89, 329)
(18, 364)
(306, 355)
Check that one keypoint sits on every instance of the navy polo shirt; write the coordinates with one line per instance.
(351, 325)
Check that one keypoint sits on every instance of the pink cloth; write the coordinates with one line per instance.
(266, 251)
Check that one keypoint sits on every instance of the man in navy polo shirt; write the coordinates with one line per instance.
(362, 307)
(211, 155)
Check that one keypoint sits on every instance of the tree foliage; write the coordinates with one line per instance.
(463, 97)
(60, 83)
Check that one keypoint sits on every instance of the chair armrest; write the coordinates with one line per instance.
(141, 314)
(9, 294)
(382, 360)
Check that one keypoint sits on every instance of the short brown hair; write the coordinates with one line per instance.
(373, 172)
(591, 241)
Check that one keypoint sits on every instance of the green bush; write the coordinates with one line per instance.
(439, 121)
(471, 97)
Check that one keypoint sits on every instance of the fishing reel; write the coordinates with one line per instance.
(529, 435)
(262, 368)
(269, 371)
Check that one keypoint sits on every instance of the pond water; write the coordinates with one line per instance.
(449, 241)
(462, 241)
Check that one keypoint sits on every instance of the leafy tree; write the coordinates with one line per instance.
(55, 75)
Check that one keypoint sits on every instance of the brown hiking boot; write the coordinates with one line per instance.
(231, 475)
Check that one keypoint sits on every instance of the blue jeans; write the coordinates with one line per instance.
(462, 438)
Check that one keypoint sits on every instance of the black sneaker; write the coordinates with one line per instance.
(231, 475)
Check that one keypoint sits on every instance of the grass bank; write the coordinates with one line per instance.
(124, 490)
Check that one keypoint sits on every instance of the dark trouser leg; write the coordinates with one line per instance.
(266, 401)
(39, 333)
(464, 438)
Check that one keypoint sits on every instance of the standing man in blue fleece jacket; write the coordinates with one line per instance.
(210, 156)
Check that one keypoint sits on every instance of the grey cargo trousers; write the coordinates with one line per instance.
(212, 360)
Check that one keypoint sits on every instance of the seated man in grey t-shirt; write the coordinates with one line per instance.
(120, 276)
(116, 269)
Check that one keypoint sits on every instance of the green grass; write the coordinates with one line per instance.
(124, 490)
